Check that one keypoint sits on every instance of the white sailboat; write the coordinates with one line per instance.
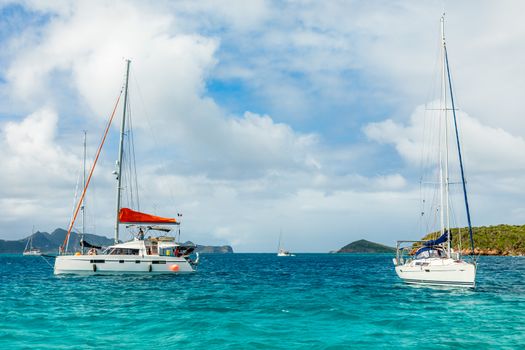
(435, 262)
(151, 251)
(29, 250)
(281, 251)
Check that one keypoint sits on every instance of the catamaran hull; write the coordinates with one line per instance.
(115, 264)
(441, 272)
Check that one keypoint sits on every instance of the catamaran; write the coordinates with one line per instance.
(29, 250)
(152, 250)
(435, 262)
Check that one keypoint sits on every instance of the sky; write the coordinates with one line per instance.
(255, 117)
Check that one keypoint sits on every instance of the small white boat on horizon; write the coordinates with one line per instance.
(29, 250)
(434, 262)
(281, 251)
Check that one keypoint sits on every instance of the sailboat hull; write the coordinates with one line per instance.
(32, 253)
(120, 264)
(438, 272)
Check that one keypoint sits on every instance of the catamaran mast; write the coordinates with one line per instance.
(445, 226)
(120, 151)
(83, 207)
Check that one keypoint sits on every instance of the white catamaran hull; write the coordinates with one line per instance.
(439, 272)
(121, 264)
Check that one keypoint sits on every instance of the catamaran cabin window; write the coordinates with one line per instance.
(123, 251)
(168, 251)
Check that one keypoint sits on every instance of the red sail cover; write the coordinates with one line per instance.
(129, 216)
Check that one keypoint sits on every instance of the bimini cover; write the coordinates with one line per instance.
(442, 239)
(128, 216)
(86, 244)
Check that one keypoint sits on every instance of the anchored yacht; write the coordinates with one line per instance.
(434, 262)
(29, 250)
(281, 251)
(152, 249)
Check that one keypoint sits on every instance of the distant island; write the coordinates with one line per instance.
(364, 246)
(488, 240)
(50, 242)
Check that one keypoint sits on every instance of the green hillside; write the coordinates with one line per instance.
(364, 246)
(49, 243)
(489, 240)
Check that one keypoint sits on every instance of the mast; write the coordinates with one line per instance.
(83, 207)
(458, 143)
(84, 185)
(120, 152)
(442, 109)
(445, 121)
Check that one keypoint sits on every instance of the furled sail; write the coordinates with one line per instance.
(431, 244)
(128, 216)
(86, 244)
(442, 239)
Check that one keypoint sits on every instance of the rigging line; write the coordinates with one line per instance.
(74, 202)
(148, 118)
(126, 162)
(124, 188)
(132, 160)
(459, 154)
(63, 246)
(125, 176)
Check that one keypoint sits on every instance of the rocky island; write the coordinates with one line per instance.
(364, 246)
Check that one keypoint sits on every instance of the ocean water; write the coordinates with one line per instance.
(259, 301)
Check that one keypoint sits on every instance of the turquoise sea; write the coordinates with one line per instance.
(259, 301)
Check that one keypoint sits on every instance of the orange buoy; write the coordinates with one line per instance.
(77, 254)
(174, 267)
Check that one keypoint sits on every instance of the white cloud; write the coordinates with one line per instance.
(493, 167)
(486, 149)
(35, 171)
(29, 148)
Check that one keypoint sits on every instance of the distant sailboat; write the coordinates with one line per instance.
(281, 251)
(435, 262)
(151, 251)
(29, 250)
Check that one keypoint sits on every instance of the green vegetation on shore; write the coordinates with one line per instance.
(489, 240)
(364, 246)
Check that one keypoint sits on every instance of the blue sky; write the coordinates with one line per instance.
(252, 116)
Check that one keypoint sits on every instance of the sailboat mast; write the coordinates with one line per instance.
(442, 108)
(120, 152)
(445, 121)
(458, 143)
(83, 208)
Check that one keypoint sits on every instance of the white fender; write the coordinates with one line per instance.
(197, 260)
